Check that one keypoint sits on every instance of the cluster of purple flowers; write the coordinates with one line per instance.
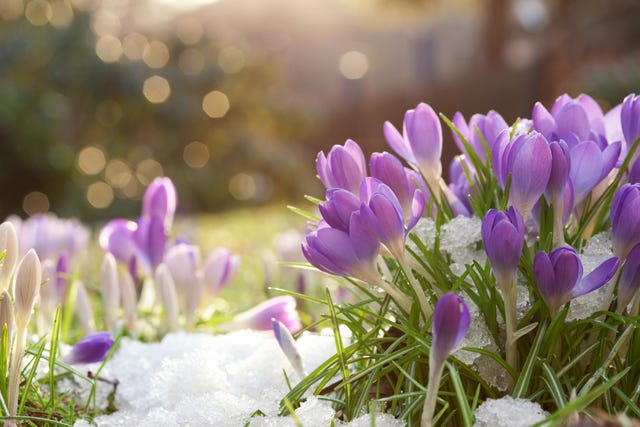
(564, 158)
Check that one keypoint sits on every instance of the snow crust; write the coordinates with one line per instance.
(509, 412)
(205, 380)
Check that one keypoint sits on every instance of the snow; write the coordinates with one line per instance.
(207, 380)
(509, 412)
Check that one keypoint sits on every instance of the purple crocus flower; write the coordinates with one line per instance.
(90, 349)
(288, 346)
(591, 162)
(629, 278)
(528, 160)
(503, 238)
(625, 221)
(387, 168)
(569, 119)
(260, 317)
(630, 119)
(183, 261)
(338, 207)
(160, 199)
(450, 324)
(142, 242)
(344, 167)
(353, 253)
(558, 276)
(420, 143)
(384, 216)
(218, 270)
(489, 125)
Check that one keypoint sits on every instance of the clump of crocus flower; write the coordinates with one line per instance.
(542, 187)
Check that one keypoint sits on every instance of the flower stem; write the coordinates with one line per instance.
(401, 299)
(435, 372)
(510, 295)
(14, 372)
(425, 307)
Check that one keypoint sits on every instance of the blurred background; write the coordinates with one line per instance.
(232, 99)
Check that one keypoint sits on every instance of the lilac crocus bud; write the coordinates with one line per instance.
(558, 276)
(344, 167)
(451, 321)
(160, 199)
(489, 126)
(6, 314)
(528, 160)
(503, 238)
(218, 270)
(389, 170)
(116, 237)
(183, 261)
(84, 310)
(629, 278)
(110, 290)
(282, 309)
(129, 300)
(27, 280)
(420, 143)
(353, 253)
(168, 296)
(560, 166)
(288, 346)
(90, 349)
(8, 246)
(630, 119)
(338, 207)
(625, 221)
(150, 238)
(590, 164)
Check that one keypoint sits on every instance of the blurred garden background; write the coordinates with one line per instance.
(232, 99)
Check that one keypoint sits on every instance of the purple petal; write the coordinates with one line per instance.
(586, 168)
(160, 199)
(397, 142)
(597, 278)
(572, 118)
(568, 269)
(461, 124)
(543, 121)
(417, 209)
(117, 237)
(630, 118)
(530, 166)
(630, 277)
(544, 276)
(594, 113)
(424, 134)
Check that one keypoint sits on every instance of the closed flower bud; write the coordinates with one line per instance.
(503, 238)
(8, 245)
(288, 346)
(84, 310)
(625, 221)
(27, 286)
(168, 296)
(110, 290)
(129, 300)
(282, 308)
(6, 314)
(160, 199)
(90, 349)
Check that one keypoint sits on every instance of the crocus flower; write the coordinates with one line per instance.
(342, 253)
(51, 236)
(625, 221)
(218, 270)
(344, 167)
(591, 162)
(27, 279)
(503, 238)
(382, 213)
(8, 246)
(160, 199)
(451, 321)
(6, 315)
(282, 309)
(630, 119)
(110, 290)
(528, 160)
(489, 126)
(169, 297)
(90, 349)
(288, 346)
(83, 309)
(338, 207)
(629, 278)
(420, 143)
(184, 261)
(389, 170)
(558, 276)
(569, 119)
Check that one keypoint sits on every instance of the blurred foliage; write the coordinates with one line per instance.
(57, 97)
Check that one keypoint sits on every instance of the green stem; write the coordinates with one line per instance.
(401, 299)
